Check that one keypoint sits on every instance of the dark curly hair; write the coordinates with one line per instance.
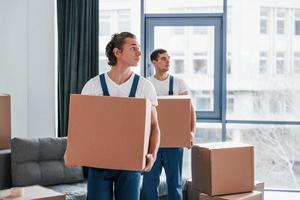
(117, 41)
(155, 54)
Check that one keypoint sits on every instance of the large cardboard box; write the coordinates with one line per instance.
(174, 119)
(5, 121)
(255, 195)
(222, 168)
(108, 132)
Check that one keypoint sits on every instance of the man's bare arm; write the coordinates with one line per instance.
(154, 141)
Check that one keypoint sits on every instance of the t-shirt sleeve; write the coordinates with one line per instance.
(91, 87)
(183, 87)
(150, 93)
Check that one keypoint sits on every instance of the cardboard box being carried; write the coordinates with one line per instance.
(5, 121)
(255, 195)
(174, 119)
(222, 168)
(108, 132)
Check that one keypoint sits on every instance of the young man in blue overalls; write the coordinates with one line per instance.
(168, 158)
(122, 53)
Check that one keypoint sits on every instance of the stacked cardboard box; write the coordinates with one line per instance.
(108, 132)
(5, 121)
(174, 119)
(193, 194)
(224, 171)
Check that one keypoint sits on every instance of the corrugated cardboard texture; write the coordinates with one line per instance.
(224, 168)
(174, 118)
(108, 132)
(5, 122)
(255, 195)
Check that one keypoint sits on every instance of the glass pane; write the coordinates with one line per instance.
(264, 72)
(190, 61)
(183, 6)
(277, 152)
(206, 132)
(116, 16)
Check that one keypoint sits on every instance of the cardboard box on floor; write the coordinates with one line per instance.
(222, 168)
(193, 194)
(255, 195)
(108, 132)
(174, 119)
(5, 121)
(260, 186)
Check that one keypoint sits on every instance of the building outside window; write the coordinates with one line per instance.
(297, 62)
(200, 63)
(229, 63)
(263, 62)
(280, 21)
(280, 62)
(177, 63)
(230, 102)
(203, 101)
(264, 20)
(104, 23)
(297, 21)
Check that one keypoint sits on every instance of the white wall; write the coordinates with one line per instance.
(27, 65)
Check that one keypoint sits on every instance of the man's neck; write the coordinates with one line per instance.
(161, 76)
(119, 74)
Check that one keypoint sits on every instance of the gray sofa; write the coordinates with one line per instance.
(40, 161)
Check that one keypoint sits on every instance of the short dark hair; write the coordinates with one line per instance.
(155, 54)
(117, 41)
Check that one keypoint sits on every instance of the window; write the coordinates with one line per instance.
(104, 20)
(203, 101)
(228, 63)
(177, 30)
(297, 62)
(280, 22)
(124, 20)
(264, 20)
(263, 62)
(229, 20)
(230, 102)
(280, 62)
(200, 30)
(297, 21)
(200, 63)
(258, 106)
(103, 66)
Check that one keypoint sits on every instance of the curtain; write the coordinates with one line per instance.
(78, 47)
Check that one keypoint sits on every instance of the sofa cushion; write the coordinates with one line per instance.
(40, 161)
(5, 176)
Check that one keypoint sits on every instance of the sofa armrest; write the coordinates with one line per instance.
(5, 174)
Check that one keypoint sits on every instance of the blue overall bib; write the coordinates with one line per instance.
(102, 182)
(171, 160)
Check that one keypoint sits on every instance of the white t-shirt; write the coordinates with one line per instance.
(144, 89)
(162, 87)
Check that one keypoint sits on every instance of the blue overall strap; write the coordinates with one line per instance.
(171, 85)
(103, 85)
(134, 85)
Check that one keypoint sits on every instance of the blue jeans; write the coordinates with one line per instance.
(171, 160)
(100, 184)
